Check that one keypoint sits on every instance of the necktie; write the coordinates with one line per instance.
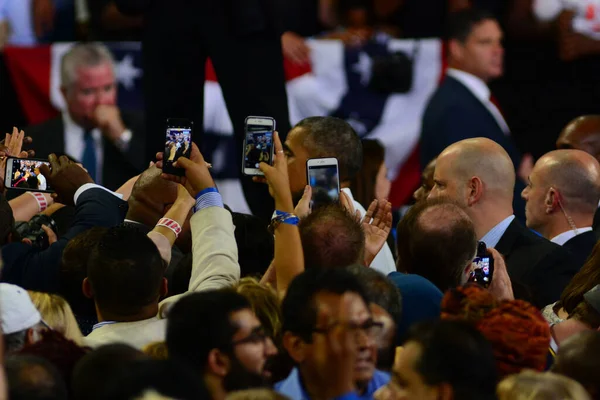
(89, 154)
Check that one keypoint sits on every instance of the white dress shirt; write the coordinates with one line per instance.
(384, 260)
(481, 91)
(494, 235)
(75, 143)
(568, 235)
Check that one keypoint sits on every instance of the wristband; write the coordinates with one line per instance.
(41, 200)
(170, 224)
(282, 217)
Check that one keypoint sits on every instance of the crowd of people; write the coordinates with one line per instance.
(127, 282)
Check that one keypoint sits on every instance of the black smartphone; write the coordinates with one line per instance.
(482, 270)
(324, 178)
(24, 174)
(258, 144)
(178, 143)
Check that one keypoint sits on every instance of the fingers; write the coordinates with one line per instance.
(174, 178)
(159, 156)
(279, 159)
(27, 140)
(266, 169)
(195, 155)
(30, 153)
(303, 208)
(64, 161)
(50, 233)
(371, 211)
(45, 170)
(346, 202)
(259, 179)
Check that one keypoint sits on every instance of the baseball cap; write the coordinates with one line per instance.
(17, 311)
(592, 297)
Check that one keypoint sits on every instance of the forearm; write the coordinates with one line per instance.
(288, 261)
(178, 213)
(127, 187)
(26, 206)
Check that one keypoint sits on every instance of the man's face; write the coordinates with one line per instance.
(407, 383)
(386, 340)
(252, 350)
(426, 183)
(482, 53)
(359, 315)
(446, 183)
(296, 155)
(534, 195)
(93, 86)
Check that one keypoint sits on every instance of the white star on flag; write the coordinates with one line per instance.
(363, 67)
(126, 72)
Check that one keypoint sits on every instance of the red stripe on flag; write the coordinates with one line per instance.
(407, 180)
(29, 70)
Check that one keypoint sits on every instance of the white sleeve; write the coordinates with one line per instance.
(2, 10)
(547, 10)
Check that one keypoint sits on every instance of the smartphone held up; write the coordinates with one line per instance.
(24, 174)
(324, 178)
(482, 268)
(178, 143)
(258, 144)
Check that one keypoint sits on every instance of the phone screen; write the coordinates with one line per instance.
(482, 271)
(25, 174)
(178, 143)
(259, 146)
(324, 180)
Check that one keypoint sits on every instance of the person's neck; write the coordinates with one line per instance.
(147, 312)
(143, 215)
(215, 387)
(486, 218)
(561, 225)
(564, 330)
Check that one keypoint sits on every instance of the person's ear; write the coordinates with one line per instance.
(455, 49)
(475, 190)
(218, 363)
(86, 288)
(164, 288)
(295, 346)
(551, 201)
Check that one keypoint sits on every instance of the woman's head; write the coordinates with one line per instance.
(57, 313)
(371, 182)
(265, 304)
(529, 385)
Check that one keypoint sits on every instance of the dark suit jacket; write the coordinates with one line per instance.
(596, 223)
(454, 114)
(581, 247)
(117, 167)
(543, 267)
(40, 270)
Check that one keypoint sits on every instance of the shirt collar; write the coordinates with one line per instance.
(478, 87)
(494, 235)
(73, 127)
(568, 235)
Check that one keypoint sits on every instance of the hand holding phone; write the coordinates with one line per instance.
(482, 270)
(178, 143)
(258, 144)
(324, 179)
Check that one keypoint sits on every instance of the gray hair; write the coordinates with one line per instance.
(83, 55)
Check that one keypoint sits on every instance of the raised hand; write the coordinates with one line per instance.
(277, 178)
(197, 176)
(377, 224)
(66, 177)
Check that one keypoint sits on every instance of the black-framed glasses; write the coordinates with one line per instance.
(370, 328)
(257, 336)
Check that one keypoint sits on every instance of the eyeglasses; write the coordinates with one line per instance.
(370, 328)
(257, 336)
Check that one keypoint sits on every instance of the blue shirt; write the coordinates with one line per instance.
(492, 238)
(292, 387)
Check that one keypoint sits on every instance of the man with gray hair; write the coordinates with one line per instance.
(21, 322)
(92, 129)
(479, 175)
(562, 196)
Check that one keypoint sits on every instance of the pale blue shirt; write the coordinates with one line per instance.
(494, 235)
(17, 13)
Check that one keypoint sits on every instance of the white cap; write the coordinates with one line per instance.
(17, 311)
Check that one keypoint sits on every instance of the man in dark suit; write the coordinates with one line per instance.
(561, 199)
(462, 107)
(109, 143)
(242, 39)
(39, 270)
(583, 133)
(479, 175)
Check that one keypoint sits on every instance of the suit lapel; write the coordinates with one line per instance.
(507, 241)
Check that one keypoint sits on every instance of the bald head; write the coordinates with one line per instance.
(576, 174)
(151, 194)
(583, 133)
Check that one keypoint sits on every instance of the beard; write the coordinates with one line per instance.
(239, 378)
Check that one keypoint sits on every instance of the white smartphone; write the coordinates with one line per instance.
(24, 174)
(258, 144)
(324, 178)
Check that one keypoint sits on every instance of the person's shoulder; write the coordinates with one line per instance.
(381, 377)
(50, 127)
